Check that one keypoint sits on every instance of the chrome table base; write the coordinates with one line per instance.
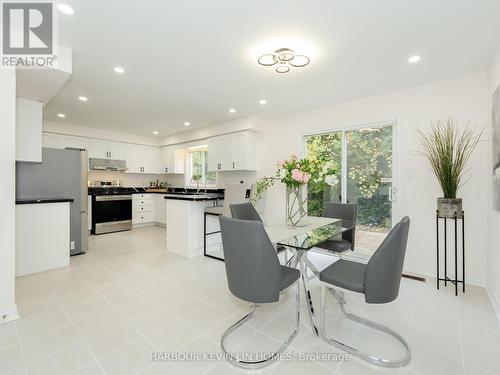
(339, 296)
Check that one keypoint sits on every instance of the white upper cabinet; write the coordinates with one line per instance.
(234, 152)
(143, 159)
(101, 149)
(237, 152)
(98, 149)
(28, 130)
(134, 164)
(70, 141)
(172, 160)
(117, 150)
(226, 153)
(244, 151)
(213, 155)
(51, 140)
(151, 159)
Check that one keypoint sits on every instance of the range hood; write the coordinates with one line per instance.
(107, 165)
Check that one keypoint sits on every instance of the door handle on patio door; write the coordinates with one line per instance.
(393, 194)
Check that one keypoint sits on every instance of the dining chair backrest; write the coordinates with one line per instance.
(383, 270)
(233, 194)
(252, 266)
(348, 212)
(245, 211)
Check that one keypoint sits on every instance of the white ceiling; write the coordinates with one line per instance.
(190, 60)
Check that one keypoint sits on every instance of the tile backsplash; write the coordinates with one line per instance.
(143, 180)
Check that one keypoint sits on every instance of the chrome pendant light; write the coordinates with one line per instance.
(284, 59)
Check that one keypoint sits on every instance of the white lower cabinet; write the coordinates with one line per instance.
(160, 209)
(143, 208)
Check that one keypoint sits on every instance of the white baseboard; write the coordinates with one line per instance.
(151, 224)
(431, 272)
(494, 299)
(9, 314)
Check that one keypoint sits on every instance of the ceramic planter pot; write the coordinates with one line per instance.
(448, 207)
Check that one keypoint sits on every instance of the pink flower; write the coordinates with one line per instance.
(293, 157)
(300, 176)
(281, 163)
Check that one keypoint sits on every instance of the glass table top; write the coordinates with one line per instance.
(315, 236)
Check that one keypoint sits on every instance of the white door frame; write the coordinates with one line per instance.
(396, 209)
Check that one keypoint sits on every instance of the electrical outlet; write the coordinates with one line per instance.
(72, 245)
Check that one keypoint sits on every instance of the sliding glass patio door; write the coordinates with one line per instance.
(364, 160)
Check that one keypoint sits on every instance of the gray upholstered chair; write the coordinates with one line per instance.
(378, 280)
(246, 211)
(347, 212)
(255, 275)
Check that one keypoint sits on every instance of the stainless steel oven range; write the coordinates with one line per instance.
(111, 211)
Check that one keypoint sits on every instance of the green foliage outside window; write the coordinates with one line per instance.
(369, 173)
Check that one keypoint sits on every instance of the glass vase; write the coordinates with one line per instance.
(296, 205)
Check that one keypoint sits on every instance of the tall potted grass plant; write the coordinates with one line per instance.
(448, 150)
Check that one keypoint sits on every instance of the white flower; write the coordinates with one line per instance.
(331, 180)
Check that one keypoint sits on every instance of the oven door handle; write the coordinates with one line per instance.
(113, 198)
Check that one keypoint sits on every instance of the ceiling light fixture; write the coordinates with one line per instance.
(414, 59)
(263, 101)
(155, 132)
(232, 110)
(61, 115)
(187, 123)
(119, 70)
(285, 58)
(66, 9)
(83, 98)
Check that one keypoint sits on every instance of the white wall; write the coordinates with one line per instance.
(493, 258)
(464, 98)
(8, 310)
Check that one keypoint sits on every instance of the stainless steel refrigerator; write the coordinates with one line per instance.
(61, 174)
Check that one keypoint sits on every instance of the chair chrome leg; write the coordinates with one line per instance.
(339, 296)
(269, 358)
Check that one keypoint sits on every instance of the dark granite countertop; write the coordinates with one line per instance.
(141, 190)
(195, 197)
(43, 200)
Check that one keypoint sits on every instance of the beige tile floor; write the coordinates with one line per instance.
(127, 297)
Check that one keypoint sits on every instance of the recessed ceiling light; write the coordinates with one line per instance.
(83, 98)
(414, 59)
(187, 123)
(232, 110)
(155, 132)
(263, 101)
(61, 115)
(66, 9)
(119, 70)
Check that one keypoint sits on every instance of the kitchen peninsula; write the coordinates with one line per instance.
(185, 221)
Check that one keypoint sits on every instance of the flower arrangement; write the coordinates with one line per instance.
(295, 173)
